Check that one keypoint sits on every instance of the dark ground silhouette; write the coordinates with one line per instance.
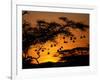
(72, 61)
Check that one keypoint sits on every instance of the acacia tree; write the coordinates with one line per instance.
(45, 31)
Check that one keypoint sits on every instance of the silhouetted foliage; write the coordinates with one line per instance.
(45, 31)
(27, 60)
(73, 24)
(24, 12)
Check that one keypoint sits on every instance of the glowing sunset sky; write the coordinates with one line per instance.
(48, 53)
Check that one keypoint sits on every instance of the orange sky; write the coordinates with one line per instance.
(32, 17)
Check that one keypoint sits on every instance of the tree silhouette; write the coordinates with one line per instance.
(24, 12)
(73, 24)
(45, 31)
(38, 53)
